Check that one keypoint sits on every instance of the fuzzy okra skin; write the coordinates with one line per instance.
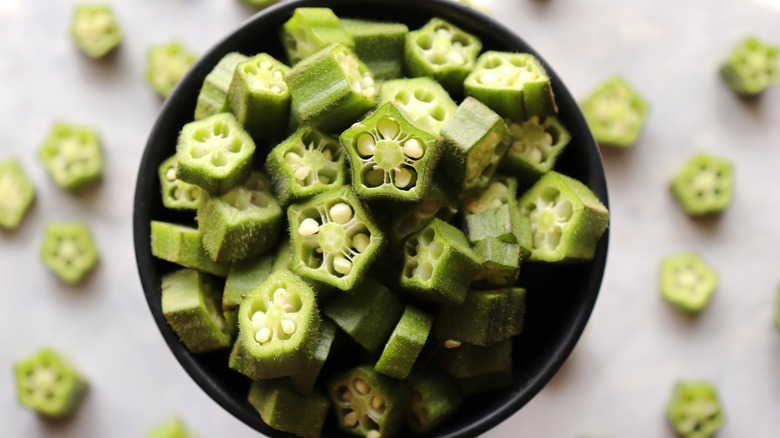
(95, 30)
(166, 65)
(73, 156)
(242, 279)
(424, 102)
(288, 411)
(69, 251)
(500, 262)
(304, 381)
(687, 281)
(170, 428)
(176, 194)
(484, 318)
(751, 67)
(405, 344)
(17, 194)
(49, 385)
(213, 96)
(435, 398)
(536, 145)
(694, 410)
(378, 44)
(310, 30)
(182, 245)
(615, 113)
(704, 185)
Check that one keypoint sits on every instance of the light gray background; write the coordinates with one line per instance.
(618, 382)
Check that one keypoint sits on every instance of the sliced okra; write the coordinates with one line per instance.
(182, 245)
(704, 185)
(390, 158)
(442, 51)
(752, 67)
(242, 279)
(73, 156)
(565, 219)
(501, 223)
(466, 360)
(170, 428)
(308, 163)
(69, 252)
(95, 30)
(191, 303)
(514, 85)
(311, 30)
(536, 145)
(214, 154)
(331, 88)
(17, 194)
(694, 410)
(405, 344)
(367, 403)
(213, 96)
(475, 139)
(304, 381)
(493, 213)
(177, 195)
(166, 65)
(379, 44)
(431, 256)
(500, 262)
(484, 318)
(334, 239)
(615, 113)
(502, 190)
(49, 385)
(687, 281)
(259, 98)
(435, 398)
(288, 411)
(424, 102)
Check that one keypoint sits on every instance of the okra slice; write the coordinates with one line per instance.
(493, 213)
(615, 113)
(95, 30)
(442, 51)
(182, 245)
(17, 194)
(431, 256)
(435, 398)
(367, 403)
(259, 98)
(441, 202)
(334, 239)
(308, 163)
(177, 195)
(390, 157)
(474, 140)
(694, 410)
(279, 328)
(242, 279)
(166, 65)
(424, 102)
(305, 380)
(48, 384)
(214, 154)
(536, 145)
(191, 303)
(405, 343)
(704, 185)
(566, 220)
(171, 428)
(462, 361)
(751, 67)
(288, 411)
(68, 251)
(484, 318)
(687, 281)
(514, 85)
(500, 223)
(331, 88)
(213, 96)
(502, 190)
(500, 262)
(379, 44)
(311, 30)
(243, 223)
(73, 156)
(368, 315)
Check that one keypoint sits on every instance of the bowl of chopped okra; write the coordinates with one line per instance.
(372, 218)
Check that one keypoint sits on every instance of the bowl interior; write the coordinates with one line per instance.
(560, 298)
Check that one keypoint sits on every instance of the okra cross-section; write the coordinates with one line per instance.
(704, 185)
(17, 194)
(182, 245)
(380, 45)
(213, 98)
(95, 30)
(405, 344)
(311, 29)
(431, 256)
(176, 194)
(514, 85)
(288, 411)
(435, 398)
(48, 384)
(170, 428)
(424, 102)
(73, 156)
(484, 318)
(214, 154)
(334, 239)
(615, 113)
(752, 67)
(536, 145)
(694, 410)
(390, 158)
(166, 65)
(68, 251)
(687, 281)
(566, 219)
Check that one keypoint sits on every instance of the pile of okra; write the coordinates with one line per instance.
(382, 238)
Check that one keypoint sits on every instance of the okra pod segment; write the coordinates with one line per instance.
(242, 279)
(687, 281)
(311, 29)
(502, 190)
(751, 67)
(467, 360)
(304, 381)
(69, 251)
(422, 100)
(536, 145)
(615, 113)
(182, 245)
(704, 185)
(95, 30)
(73, 156)
(500, 262)
(48, 384)
(484, 318)
(288, 411)
(405, 344)
(166, 65)
(694, 410)
(380, 45)
(213, 96)
(17, 194)
(435, 398)
(176, 194)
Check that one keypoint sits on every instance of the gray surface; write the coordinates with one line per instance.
(618, 382)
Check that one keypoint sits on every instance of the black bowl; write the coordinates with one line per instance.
(560, 298)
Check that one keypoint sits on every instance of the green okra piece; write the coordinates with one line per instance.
(367, 403)
(334, 239)
(73, 156)
(500, 262)
(751, 67)
(565, 219)
(17, 194)
(177, 195)
(435, 399)
(378, 44)
(500, 223)
(213, 96)
(305, 380)
(502, 190)
(191, 303)
(390, 158)
(405, 343)
(242, 279)
(462, 360)
(422, 100)
(308, 163)
(69, 251)
(368, 315)
(536, 145)
(170, 428)
(279, 328)
(474, 140)
(283, 255)
(442, 51)
(95, 30)
(214, 154)
(182, 245)
(48, 384)
(481, 384)
(484, 318)
(704, 185)
(615, 113)
(694, 410)
(288, 411)
(331, 88)
(493, 213)
(687, 281)
(311, 30)
(166, 65)
(431, 256)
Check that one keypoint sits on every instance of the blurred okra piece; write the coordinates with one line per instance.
(704, 185)
(69, 251)
(170, 428)
(615, 113)
(166, 65)
(17, 194)
(49, 385)
(378, 44)
(310, 30)
(694, 411)
(751, 67)
(72, 156)
(95, 30)
(687, 281)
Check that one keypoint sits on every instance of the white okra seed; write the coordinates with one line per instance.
(341, 213)
(366, 144)
(361, 386)
(288, 327)
(413, 148)
(373, 434)
(263, 335)
(292, 158)
(388, 128)
(170, 174)
(258, 320)
(360, 242)
(302, 172)
(451, 343)
(402, 178)
(308, 227)
(350, 419)
(342, 265)
(347, 396)
(377, 402)
(279, 295)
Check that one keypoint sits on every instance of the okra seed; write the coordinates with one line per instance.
(263, 335)
(170, 174)
(342, 265)
(377, 402)
(373, 434)
(360, 242)
(341, 213)
(308, 227)
(451, 343)
(388, 128)
(361, 386)
(258, 320)
(366, 144)
(351, 419)
(288, 327)
(302, 172)
(279, 295)
(403, 178)
(347, 395)
(413, 148)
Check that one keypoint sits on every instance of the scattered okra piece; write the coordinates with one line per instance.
(484, 318)
(171, 428)
(694, 410)
(704, 185)
(423, 101)
(435, 398)
(687, 281)
(615, 113)
(752, 67)
(311, 30)
(304, 381)
(166, 65)
(17, 194)
(68, 251)
(182, 245)
(73, 156)
(379, 44)
(177, 195)
(405, 344)
(536, 145)
(288, 411)
(49, 385)
(95, 30)
(213, 96)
